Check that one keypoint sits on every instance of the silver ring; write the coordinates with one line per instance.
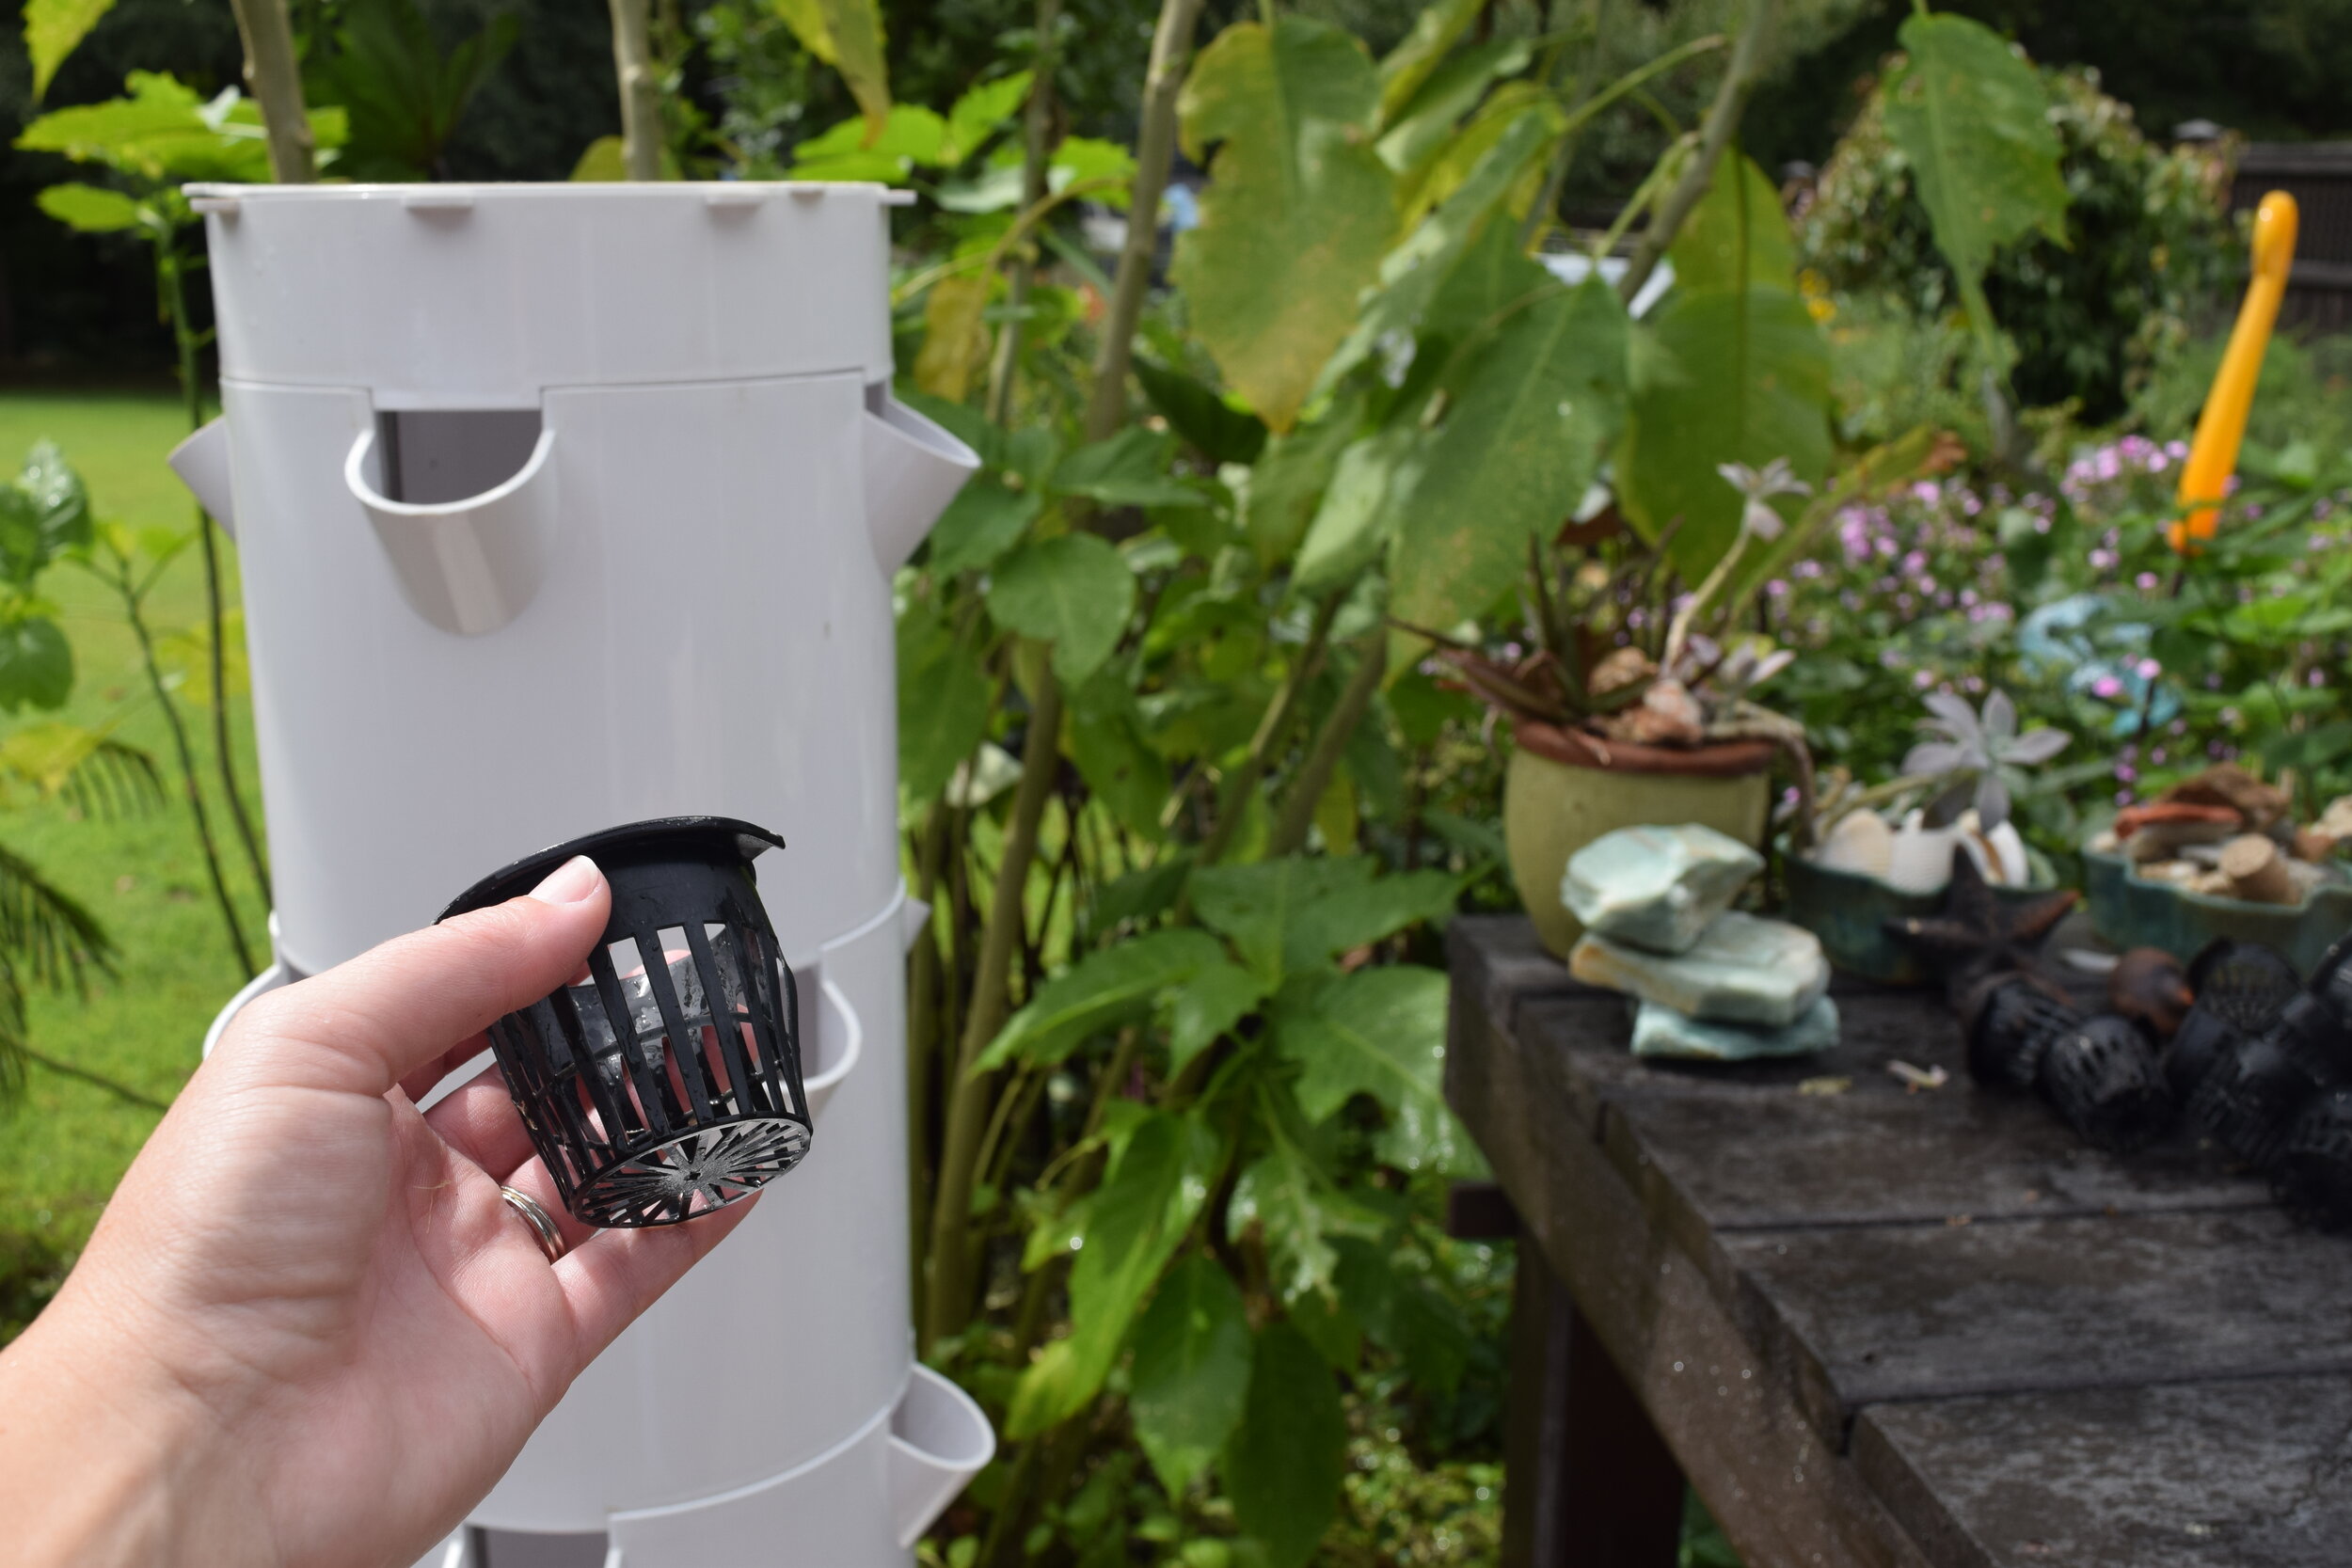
(542, 1224)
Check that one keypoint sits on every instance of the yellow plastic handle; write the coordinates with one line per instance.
(2213, 456)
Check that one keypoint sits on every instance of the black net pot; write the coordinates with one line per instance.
(2312, 1179)
(2308, 1031)
(2240, 988)
(2102, 1079)
(2250, 1099)
(2331, 982)
(666, 1084)
(2014, 1028)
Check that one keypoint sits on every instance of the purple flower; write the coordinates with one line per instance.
(2147, 582)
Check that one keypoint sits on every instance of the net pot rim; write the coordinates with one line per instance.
(718, 840)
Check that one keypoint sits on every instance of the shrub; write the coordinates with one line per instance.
(2150, 252)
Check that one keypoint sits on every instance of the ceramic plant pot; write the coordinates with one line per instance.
(1564, 789)
(1849, 910)
(2134, 912)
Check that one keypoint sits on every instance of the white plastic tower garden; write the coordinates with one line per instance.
(564, 506)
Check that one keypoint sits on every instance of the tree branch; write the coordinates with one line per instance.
(641, 88)
(273, 74)
(947, 1297)
(1715, 132)
(1315, 774)
(1156, 150)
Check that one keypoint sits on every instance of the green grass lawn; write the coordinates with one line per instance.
(65, 1144)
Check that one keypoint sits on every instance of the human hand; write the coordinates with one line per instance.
(308, 1329)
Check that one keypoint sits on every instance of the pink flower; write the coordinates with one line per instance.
(2147, 582)
(2106, 688)
(2148, 668)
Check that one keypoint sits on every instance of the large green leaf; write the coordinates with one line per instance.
(36, 663)
(1106, 740)
(1098, 991)
(1411, 274)
(1287, 482)
(1295, 1206)
(52, 28)
(1206, 1006)
(1532, 410)
(1295, 914)
(1136, 1218)
(1130, 469)
(984, 521)
(162, 132)
(943, 704)
(1283, 1466)
(1298, 208)
(979, 113)
(1381, 1031)
(1193, 409)
(1191, 1372)
(1742, 374)
(1973, 119)
(1345, 536)
(91, 209)
(1404, 68)
(1736, 237)
(1073, 592)
(847, 35)
(1746, 380)
(1412, 136)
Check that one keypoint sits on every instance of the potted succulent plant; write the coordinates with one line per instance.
(1633, 708)
(1885, 852)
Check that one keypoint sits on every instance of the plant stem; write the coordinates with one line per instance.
(1545, 209)
(641, 88)
(925, 1011)
(135, 614)
(1155, 151)
(274, 72)
(1233, 798)
(170, 280)
(1036, 126)
(120, 1091)
(1323, 760)
(1722, 118)
(948, 1299)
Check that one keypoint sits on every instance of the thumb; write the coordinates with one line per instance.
(362, 1026)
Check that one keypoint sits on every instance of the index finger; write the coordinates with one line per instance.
(364, 1025)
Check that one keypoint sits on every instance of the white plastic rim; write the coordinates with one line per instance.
(939, 1439)
(841, 1060)
(483, 295)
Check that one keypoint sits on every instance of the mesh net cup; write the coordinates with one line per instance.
(2240, 988)
(667, 1084)
(2313, 1180)
(2013, 1030)
(2102, 1079)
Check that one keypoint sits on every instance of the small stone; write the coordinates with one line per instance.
(1744, 969)
(1657, 887)
(1663, 1032)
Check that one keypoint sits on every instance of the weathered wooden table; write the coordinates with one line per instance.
(1880, 1326)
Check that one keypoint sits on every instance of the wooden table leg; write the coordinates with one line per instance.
(1587, 1482)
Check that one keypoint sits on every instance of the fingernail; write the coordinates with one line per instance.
(570, 882)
